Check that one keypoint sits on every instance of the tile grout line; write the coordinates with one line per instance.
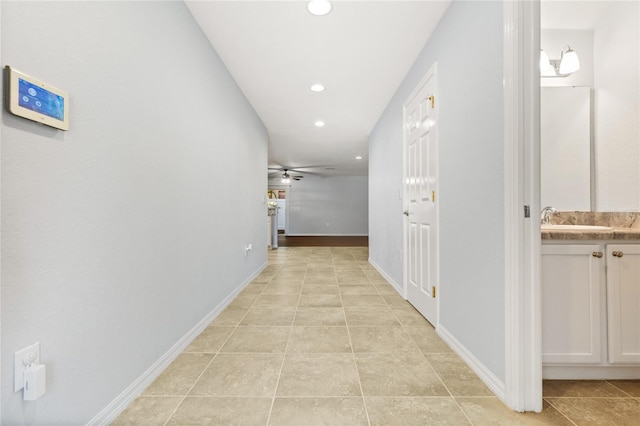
(619, 388)
(212, 358)
(355, 362)
(284, 355)
(559, 411)
(294, 256)
(431, 366)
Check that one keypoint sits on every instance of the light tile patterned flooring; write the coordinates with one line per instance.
(320, 338)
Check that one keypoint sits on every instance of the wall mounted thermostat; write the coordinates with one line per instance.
(35, 100)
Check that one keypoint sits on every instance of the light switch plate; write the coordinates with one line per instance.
(19, 367)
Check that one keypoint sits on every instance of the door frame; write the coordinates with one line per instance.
(432, 72)
(286, 189)
(523, 343)
(1, 62)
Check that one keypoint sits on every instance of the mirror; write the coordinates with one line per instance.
(603, 175)
(565, 148)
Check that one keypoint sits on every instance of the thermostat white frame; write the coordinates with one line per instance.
(13, 99)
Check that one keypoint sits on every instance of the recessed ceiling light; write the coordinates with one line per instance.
(319, 7)
(319, 123)
(317, 87)
(358, 158)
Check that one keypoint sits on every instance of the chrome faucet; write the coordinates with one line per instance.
(545, 215)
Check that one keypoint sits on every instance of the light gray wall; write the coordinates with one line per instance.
(117, 238)
(327, 205)
(467, 45)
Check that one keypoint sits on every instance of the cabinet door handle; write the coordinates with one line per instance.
(597, 254)
(617, 254)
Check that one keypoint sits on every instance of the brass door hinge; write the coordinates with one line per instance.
(433, 196)
(433, 101)
(433, 292)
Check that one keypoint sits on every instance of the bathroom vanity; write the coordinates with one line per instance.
(591, 297)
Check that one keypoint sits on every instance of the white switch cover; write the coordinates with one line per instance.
(30, 354)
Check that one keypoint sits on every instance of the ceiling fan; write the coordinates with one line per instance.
(286, 177)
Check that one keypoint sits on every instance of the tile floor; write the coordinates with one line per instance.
(320, 338)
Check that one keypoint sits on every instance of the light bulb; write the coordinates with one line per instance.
(546, 69)
(317, 87)
(319, 7)
(569, 62)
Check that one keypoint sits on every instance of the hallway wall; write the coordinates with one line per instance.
(467, 46)
(328, 205)
(115, 242)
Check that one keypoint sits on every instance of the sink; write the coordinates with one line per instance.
(575, 228)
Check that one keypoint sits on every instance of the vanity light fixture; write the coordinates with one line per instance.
(317, 87)
(566, 65)
(319, 123)
(319, 7)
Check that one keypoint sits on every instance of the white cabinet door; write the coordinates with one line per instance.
(573, 300)
(623, 303)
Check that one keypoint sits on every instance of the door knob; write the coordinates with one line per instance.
(406, 212)
(617, 254)
(597, 254)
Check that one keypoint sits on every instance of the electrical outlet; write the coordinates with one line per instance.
(24, 357)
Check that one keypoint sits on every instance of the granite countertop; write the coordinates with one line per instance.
(623, 226)
(608, 234)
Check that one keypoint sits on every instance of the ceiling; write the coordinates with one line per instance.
(360, 51)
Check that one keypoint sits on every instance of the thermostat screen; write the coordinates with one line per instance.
(40, 100)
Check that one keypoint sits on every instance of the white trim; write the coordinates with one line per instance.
(286, 189)
(491, 380)
(572, 372)
(327, 235)
(523, 365)
(122, 401)
(390, 280)
(1, 62)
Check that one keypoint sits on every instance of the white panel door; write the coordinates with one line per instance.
(623, 303)
(420, 187)
(573, 298)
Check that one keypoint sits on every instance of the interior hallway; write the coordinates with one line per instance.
(320, 338)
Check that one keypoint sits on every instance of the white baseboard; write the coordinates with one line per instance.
(122, 401)
(327, 235)
(493, 383)
(579, 372)
(399, 288)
